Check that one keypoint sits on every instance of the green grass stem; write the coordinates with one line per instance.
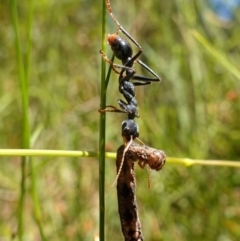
(102, 130)
(24, 79)
(25, 120)
(112, 155)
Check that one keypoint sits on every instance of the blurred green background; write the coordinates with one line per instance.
(193, 113)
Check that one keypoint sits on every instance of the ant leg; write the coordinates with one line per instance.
(143, 78)
(130, 63)
(149, 70)
(120, 26)
(126, 109)
(119, 66)
(104, 56)
(130, 74)
(114, 109)
(142, 83)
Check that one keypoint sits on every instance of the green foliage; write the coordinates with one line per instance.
(193, 113)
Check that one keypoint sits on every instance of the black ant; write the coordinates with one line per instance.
(123, 51)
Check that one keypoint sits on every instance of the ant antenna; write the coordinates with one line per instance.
(111, 13)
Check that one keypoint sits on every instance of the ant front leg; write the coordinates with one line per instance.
(104, 56)
(122, 29)
(120, 26)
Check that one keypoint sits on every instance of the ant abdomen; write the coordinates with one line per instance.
(130, 129)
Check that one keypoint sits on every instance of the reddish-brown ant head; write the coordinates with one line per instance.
(120, 47)
(111, 38)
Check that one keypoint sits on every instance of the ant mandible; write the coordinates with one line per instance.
(123, 51)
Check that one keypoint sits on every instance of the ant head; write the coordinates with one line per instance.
(120, 47)
(111, 38)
